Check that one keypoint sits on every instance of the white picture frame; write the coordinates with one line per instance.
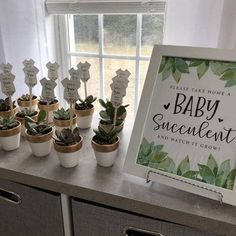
(172, 179)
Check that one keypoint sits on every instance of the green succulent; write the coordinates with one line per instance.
(26, 97)
(8, 122)
(67, 137)
(5, 104)
(39, 127)
(62, 114)
(102, 137)
(26, 112)
(108, 114)
(86, 103)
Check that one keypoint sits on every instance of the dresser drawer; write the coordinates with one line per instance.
(91, 220)
(27, 211)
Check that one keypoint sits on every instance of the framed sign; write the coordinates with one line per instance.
(184, 134)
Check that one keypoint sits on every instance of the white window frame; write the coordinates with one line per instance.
(64, 53)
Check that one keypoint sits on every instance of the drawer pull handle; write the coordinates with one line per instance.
(133, 231)
(10, 196)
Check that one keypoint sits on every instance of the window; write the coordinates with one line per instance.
(109, 42)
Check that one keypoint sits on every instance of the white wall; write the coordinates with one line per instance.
(227, 37)
(193, 22)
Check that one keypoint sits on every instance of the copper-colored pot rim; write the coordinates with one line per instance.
(11, 132)
(105, 148)
(8, 113)
(52, 107)
(69, 149)
(27, 103)
(21, 119)
(64, 123)
(38, 139)
(82, 113)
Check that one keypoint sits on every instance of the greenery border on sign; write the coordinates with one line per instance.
(153, 156)
(177, 66)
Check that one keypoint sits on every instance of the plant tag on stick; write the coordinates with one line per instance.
(6, 68)
(84, 71)
(6, 79)
(31, 72)
(123, 77)
(84, 75)
(71, 87)
(52, 70)
(118, 87)
(118, 92)
(74, 74)
(48, 87)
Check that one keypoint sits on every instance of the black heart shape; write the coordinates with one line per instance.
(166, 106)
(220, 120)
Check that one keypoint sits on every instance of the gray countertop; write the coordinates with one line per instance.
(110, 186)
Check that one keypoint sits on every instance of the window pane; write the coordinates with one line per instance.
(143, 71)
(110, 67)
(93, 85)
(120, 34)
(86, 33)
(152, 32)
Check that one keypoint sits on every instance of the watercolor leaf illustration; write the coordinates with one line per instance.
(207, 174)
(174, 66)
(154, 156)
(230, 179)
(212, 164)
(184, 166)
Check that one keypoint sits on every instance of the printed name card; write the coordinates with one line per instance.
(31, 72)
(52, 70)
(118, 87)
(84, 71)
(48, 87)
(71, 90)
(6, 79)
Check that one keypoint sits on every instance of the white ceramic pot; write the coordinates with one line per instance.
(106, 159)
(40, 145)
(84, 118)
(69, 155)
(62, 124)
(7, 113)
(26, 104)
(105, 154)
(51, 108)
(10, 139)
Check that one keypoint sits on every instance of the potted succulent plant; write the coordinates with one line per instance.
(51, 107)
(84, 111)
(68, 144)
(39, 135)
(105, 145)
(20, 116)
(107, 116)
(24, 102)
(61, 119)
(5, 108)
(9, 133)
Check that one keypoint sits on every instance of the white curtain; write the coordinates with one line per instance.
(24, 29)
(203, 23)
(23, 36)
